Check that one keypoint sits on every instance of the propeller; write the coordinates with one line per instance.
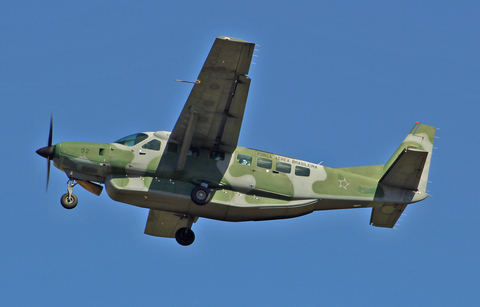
(48, 151)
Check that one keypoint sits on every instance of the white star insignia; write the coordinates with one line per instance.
(343, 183)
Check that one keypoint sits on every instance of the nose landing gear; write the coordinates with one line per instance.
(69, 200)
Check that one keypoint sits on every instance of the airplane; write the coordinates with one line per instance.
(198, 171)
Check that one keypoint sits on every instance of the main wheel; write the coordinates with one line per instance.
(69, 202)
(200, 195)
(185, 236)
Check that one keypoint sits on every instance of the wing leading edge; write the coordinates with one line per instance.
(213, 113)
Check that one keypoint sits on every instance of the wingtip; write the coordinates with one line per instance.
(229, 38)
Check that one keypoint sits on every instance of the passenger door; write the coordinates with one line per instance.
(272, 176)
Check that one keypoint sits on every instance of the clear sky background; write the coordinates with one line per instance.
(341, 82)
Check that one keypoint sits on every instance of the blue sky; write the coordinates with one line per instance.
(341, 82)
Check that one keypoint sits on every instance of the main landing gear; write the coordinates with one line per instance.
(69, 200)
(200, 195)
(185, 235)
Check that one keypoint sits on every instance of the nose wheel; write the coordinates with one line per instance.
(69, 200)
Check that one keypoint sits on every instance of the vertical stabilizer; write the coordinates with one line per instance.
(409, 166)
(406, 170)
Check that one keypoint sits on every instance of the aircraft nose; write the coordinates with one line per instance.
(47, 152)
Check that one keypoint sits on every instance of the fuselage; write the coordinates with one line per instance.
(197, 170)
(247, 184)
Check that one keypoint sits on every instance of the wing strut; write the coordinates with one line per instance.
(187, 141)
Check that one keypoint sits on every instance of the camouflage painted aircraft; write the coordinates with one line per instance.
(197, 170)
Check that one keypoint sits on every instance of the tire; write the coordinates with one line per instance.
(69, 203)
(185, 236)
(200, 195)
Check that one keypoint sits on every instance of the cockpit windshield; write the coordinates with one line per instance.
(133, 139)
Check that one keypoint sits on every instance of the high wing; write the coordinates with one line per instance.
(164, 224)
(213, 114)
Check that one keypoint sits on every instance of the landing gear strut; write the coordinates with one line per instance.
(69, 200)
(185, 235)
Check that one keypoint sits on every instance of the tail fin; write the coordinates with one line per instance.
(409, 166)
(407, 169)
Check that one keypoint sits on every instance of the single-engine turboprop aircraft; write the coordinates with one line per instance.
(197, 170)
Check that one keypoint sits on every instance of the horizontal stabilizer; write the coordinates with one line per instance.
(386, 216)
(407, 169)
(164, 224)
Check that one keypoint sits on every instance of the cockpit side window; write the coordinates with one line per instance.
(133, 139)
(152, 145)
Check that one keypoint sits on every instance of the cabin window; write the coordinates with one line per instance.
(152, 145)
(244, 159)
(302, 171)
(193, 151)
(217, 155)
(172, 147)
(264, 163)
(283, 167)
(133, 139)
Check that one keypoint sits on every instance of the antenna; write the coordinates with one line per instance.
(193, 82)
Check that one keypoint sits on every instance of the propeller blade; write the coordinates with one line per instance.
(48, 152)
(50, 135)
(51, 131)
(48, 173)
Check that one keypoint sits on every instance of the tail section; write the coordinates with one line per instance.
(409, 166)
(405, 176)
